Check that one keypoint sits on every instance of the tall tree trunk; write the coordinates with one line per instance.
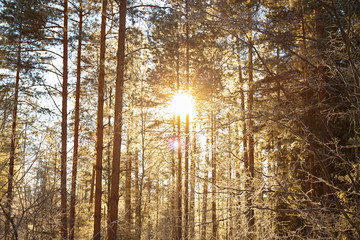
(229, 229)
(213, 176)
(115, 173)
(192, 190)
(179, 185)
(108, 157)
(64, 223)
(179, 168)
(100, 126)
(250, 213)
(76, 130)
(187, 126)
(244, 127)
(173, 181)
(13, 140)
(141, 184)
(205, 193)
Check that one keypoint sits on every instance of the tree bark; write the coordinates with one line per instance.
(92, 186)
(13, 139)
(128, 188)
(137, 188)
(192, 190)
(76, 130)
(109, 156)
(64, 223)
(114, 194)
(213, 178)
(244, 127)
(250, 211)
(173, 181)
(229, 230)
(100, 126)
(205, 194)
(187, 126)
(179, 168)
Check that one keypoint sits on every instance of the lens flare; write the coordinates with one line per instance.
(174, 143)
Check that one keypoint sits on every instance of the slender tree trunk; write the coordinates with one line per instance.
(244, 127)
(137, 195)
(108, 157)
(76, 131)
(173, 181)
(128, 188)
(179, 185)
(213, 178)
(148, 204)
(205, 193)
(229, 230)
(250, 213)
(92, 186)
(179, 168)
(143, 136)
(187, 126)
(115, 173)
(141, 189)
(64, 223)
(158, 202)
(192, 191)
(13, 140)
(100, 126)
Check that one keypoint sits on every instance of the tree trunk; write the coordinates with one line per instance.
(128, 188)
(229, 230)
(187, 125)
(179, 185)
(76, 131)
(173, 181)
(137, 188)
(213, 178)
(205, 194)
(244, 128)
(13, 140)
(108, 157)
(64, 230)
(179, 168)
(114, 194)
(100, 126)
(250, 213)
(92, 186)
(192, 191)
(140, 185)
(158, 202)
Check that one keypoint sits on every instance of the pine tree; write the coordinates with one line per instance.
(76, 128)
(114, 194)
(100, 125)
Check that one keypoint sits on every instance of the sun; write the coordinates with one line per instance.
(183, 104)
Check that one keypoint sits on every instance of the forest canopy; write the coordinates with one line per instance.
(179, 119)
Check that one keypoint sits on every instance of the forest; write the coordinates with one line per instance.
(180, 119)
